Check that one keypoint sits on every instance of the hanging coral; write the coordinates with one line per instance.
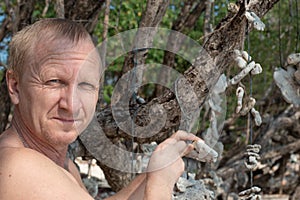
(240, 94)
(252, 156)
(257, 117)
(243, 61)
(248, 105)
(203, 152)
(255, 20)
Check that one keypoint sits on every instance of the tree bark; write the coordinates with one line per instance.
(60, 9)
(207, 18)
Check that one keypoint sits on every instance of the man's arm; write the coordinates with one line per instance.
(134, 191)
(166, 165)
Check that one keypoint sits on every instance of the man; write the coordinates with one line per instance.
(53, 81)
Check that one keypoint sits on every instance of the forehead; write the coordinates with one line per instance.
(83, 54)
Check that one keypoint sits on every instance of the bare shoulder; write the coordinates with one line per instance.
(11, 157)
(26, 173)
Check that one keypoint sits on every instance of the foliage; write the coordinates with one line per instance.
(39, 8)
(1, 74)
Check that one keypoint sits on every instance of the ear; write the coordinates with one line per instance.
(12, 82)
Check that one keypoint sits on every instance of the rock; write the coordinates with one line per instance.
(196, 191)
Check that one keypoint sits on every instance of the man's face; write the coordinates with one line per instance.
(58, 95)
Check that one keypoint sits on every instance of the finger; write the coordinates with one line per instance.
(181, 147)
(203, 152)
(164, 144)
(183, 135)
(167, 153)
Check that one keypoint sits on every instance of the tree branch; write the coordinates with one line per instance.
(155, 10)
(84, 11)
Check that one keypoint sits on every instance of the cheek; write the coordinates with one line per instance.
(92, 104)
(89, 103)
(27, 101)
(38, 101)
(89, 98)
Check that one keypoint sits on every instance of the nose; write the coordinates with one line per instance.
(70, 100)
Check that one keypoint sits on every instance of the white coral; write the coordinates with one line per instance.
(257, 117)
(240, 94)
(253, 18)
(242, 74)
(242, 59)
(257, 69)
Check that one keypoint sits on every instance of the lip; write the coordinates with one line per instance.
(66, 120)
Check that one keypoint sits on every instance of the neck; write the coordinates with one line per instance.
(32, 141)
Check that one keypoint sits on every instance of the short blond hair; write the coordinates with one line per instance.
(22, 46)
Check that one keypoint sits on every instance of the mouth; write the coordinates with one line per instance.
(66, 120)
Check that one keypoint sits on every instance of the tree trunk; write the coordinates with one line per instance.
(220, 44)
(60, 9)
(202, 75)
(207, 18)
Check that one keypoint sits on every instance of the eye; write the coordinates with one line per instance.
(54, 82)
(87, 86)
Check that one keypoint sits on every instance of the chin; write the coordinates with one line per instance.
(65, 137)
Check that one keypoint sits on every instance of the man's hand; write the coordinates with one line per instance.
(166, 165)
(164, 169)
